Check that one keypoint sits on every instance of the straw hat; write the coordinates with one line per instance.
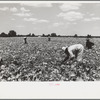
(25, 37)
(64, 48)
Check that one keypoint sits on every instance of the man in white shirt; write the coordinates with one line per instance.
(73, 52)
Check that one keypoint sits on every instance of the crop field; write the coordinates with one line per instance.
(40, 59)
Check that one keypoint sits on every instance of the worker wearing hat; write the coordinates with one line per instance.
(73, 51)
(89, 44)
(25, 40)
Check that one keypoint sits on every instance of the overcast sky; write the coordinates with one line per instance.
(45, 18)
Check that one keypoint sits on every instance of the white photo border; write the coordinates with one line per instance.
(49, 90)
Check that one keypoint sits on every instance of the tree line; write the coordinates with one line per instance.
(13, 33)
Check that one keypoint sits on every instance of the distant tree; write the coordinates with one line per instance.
(48, 35)
(59, 35)
(43, 35)
(33, 35)
(53, 35)
(3, 34)
(29, 35)
(75, 35)
(88, 36)
(12, 33)
(19, 35)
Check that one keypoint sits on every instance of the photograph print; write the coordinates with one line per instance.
(49, 41)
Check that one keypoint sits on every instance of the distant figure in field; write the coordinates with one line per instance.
(73, 52)
(49, 39)
(89, 44)
(25, 40)
(1, 61)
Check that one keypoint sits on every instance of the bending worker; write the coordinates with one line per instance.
(73, 52)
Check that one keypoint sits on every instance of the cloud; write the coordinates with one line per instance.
(35, 20)
(13, 19)
(20, 26)
(57, 24)
(87, 19)
(24, 10)
(14, 9)
(30, 19)
(70, 6)
(92, 19)
(43, 21)
(92, 14)
(71, 16)
(74, 23)
(23, 14)
(4, 9)
(37, 4)
(95, 18)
